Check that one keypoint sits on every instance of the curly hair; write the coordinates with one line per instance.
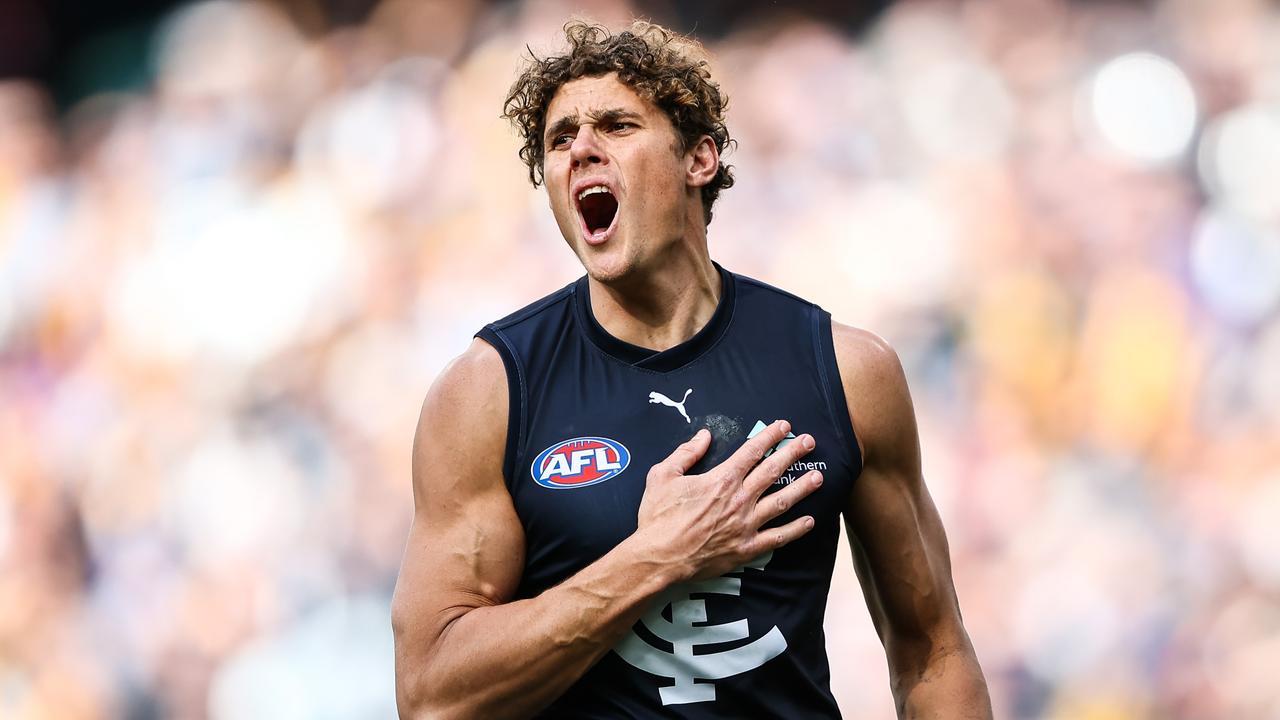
(663, 67)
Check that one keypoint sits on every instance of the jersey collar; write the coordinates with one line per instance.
(665, 360)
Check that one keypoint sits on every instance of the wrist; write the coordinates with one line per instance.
(663, 564)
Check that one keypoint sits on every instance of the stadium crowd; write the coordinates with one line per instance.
(223, 295)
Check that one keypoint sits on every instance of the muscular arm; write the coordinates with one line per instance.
(899, 546)
(464, 648)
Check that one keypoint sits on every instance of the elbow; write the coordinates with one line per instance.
(941, 676)
(428, 685)
(424, 711)
(412, 702)
(420, 690)
(419, 693)
(913, 657)
(425, 693)
(420, 704)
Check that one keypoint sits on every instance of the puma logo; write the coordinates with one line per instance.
(657, 397)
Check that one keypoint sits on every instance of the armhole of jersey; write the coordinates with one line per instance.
(829, 373)
(515, 394)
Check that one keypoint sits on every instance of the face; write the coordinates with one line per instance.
(616, 181)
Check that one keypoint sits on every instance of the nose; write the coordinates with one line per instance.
(585, 149)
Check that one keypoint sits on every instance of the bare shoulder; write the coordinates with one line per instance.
(875, 387)
(465, 547)
(465, 538)
(864, 356)
(463, 423)
(472, 376)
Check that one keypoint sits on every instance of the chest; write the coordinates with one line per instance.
(596, 426)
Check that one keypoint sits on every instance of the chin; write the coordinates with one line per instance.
(607, 270)
(606, 263)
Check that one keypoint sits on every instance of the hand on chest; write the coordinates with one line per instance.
(590, 458)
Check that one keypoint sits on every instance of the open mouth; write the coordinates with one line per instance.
(599, 209)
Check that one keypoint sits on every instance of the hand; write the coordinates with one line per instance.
(710, 523)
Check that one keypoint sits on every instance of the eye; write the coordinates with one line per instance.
(622, 126)
(561, 139)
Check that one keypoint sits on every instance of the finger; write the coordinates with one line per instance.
(753, 450)
(687, 453)
(773, 466)
(774, 505)
(774, 538)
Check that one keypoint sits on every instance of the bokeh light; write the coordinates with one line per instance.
(1236, 265)
(1143, 106)
(1240, 160)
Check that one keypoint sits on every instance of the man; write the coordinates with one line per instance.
(574, 551)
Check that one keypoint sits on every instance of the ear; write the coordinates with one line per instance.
(702, 162)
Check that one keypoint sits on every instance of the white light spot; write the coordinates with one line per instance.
(1239, 160)
(1143, 106)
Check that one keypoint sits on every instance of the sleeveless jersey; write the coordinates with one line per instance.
(590, 414)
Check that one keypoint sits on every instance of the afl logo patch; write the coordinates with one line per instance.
(579, 462)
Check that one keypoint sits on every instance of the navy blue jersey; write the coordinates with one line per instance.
(590, 414)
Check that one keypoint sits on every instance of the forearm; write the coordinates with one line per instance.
(513, 659)
(948, 686)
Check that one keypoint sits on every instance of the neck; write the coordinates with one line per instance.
(659, 309)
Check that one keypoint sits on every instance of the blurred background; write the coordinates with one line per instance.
(239, 239)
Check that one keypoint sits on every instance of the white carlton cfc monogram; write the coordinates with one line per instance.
(680, 663)
(657, 397)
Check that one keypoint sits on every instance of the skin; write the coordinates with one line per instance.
(899, 546)
(466, 649)
(652, 282)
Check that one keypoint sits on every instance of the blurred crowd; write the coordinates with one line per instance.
(223, 296)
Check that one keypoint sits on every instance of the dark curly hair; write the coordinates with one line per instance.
(661, 66)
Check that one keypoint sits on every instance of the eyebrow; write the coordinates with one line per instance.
(606, 116)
